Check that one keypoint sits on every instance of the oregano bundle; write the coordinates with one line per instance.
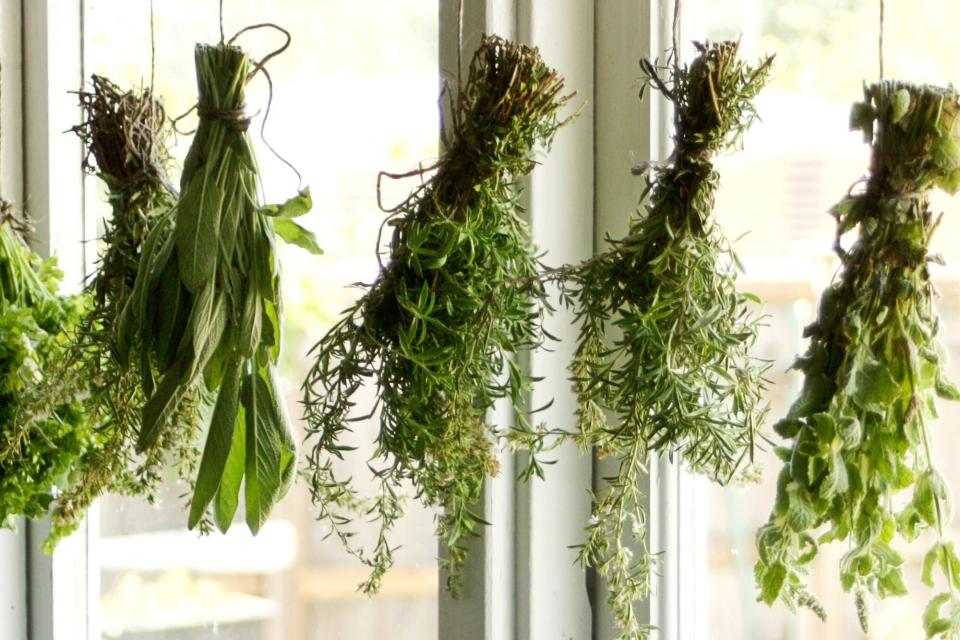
(858, 462)
(432, 336)
(662, 363)
(206, 307)
(44, 429)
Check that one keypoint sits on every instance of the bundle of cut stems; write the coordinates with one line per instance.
(205, 309)
(859, 434)
(433, 334)
(662, 364)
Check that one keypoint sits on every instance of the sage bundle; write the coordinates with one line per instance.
(126, 135)
(433, 334)
(858, 462)
(678, 378)
(43, 428)
(206, 307)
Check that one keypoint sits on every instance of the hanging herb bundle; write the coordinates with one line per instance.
(433, 333)
(126, 136)
(205, 309)
(859, 433)
(679, 377)
(43, 430)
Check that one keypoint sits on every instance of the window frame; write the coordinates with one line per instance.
(45, 596)
(596, 46)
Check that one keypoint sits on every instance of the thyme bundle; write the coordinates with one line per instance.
(126, 135)
(678, 379)
(432, 334)
(859, 433)
(43, 430)
(206, 307)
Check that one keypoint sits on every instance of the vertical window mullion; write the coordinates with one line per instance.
(485, 609)
(631, 131)
(53, 197)
(13, 543)
(553, 600)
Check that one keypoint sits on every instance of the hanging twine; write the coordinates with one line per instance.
(18, 223)
(880, 40)
(676, 34)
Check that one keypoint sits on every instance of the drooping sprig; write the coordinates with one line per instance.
(858, 436)
(662, 364)
(432, 336)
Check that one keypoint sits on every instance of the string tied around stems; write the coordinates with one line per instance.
(16, 222)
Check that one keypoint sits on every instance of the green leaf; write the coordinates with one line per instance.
(158, 407)
(929, 561)
(933, 624)
(899, 105)
(293, 208)
(228, 493)
(862, 117)
(208, 323)
(946, 389)
(234, 210)
(271, 330)
(772, 582)
(198, 226)
(270, 449)
(800, 514)
(171, 323)
(851, 432)
(293, 233)
(251, 319)
(924, 500)
(875, 385)
(891, 584)
(217, 448)
(837, 481)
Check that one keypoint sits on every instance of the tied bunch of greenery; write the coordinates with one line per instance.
(43, 428)
(858, 435)
(433, 334)
(678, 378)
(126, 135)
(205, 308)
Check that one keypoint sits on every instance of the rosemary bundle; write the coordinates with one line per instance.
(858, 435)
(678, 378)
(43, 429)
(206, 308)
(433, 333)
(126, 136)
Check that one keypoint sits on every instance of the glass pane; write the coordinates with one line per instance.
(355, 93)
(796, 163)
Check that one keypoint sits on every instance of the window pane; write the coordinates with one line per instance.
(355, 93)
(797, 162)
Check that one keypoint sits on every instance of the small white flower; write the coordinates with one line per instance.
(593, 520)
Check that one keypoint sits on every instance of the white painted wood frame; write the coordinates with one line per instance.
(13, 543)
(44, 597)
